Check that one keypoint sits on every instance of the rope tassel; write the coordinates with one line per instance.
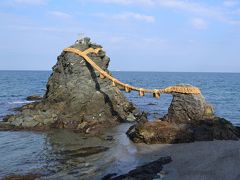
(113, 84)
(156, 94)
(127, 89)
(141, 92)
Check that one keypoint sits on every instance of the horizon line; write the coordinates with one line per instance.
(136, 71)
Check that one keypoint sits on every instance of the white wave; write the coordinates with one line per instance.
(20, 102)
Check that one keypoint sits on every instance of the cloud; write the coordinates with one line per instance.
(60, 14)
(127, 16)
(134, 16)
(199, 23)
(218, 13)
(182, 5)
(29, 2)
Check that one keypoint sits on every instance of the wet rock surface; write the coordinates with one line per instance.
(148, 171)
(159, 132)
(76, 98)
(190, 118)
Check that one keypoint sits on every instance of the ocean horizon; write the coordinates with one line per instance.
(136, 71)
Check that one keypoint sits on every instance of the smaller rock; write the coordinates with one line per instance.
(131, 118)
(188, 107)
(34, 98)
(148, 171)
(189, 118)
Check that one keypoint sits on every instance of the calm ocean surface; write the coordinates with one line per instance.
(24, 152)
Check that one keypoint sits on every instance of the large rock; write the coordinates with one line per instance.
(188, 107)
(189, 119)
(76, 97)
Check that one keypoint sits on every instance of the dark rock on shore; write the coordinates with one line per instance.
(146, 172)
(171, 133)
(77, 98)
(34, 98)
(190, 118)
(160, 132)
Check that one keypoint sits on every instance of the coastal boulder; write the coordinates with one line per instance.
(77, 97)
(190, 118)
(188, 107)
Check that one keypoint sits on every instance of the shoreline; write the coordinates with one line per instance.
(198, 160)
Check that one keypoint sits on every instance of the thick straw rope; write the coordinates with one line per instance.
(103, 74)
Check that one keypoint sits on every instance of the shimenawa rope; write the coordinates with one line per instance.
(128, 88)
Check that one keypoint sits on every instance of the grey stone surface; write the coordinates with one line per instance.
(188, 107)
(76, 97)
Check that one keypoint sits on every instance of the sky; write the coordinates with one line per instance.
(138, 35)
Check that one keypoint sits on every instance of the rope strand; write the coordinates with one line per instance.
(128, 88)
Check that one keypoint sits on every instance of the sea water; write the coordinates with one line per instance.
(53, 154)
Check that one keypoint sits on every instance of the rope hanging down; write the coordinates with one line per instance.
(128, 88)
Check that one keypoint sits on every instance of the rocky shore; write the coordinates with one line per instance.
(76, 98)
(190, 118)
(79, 99)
